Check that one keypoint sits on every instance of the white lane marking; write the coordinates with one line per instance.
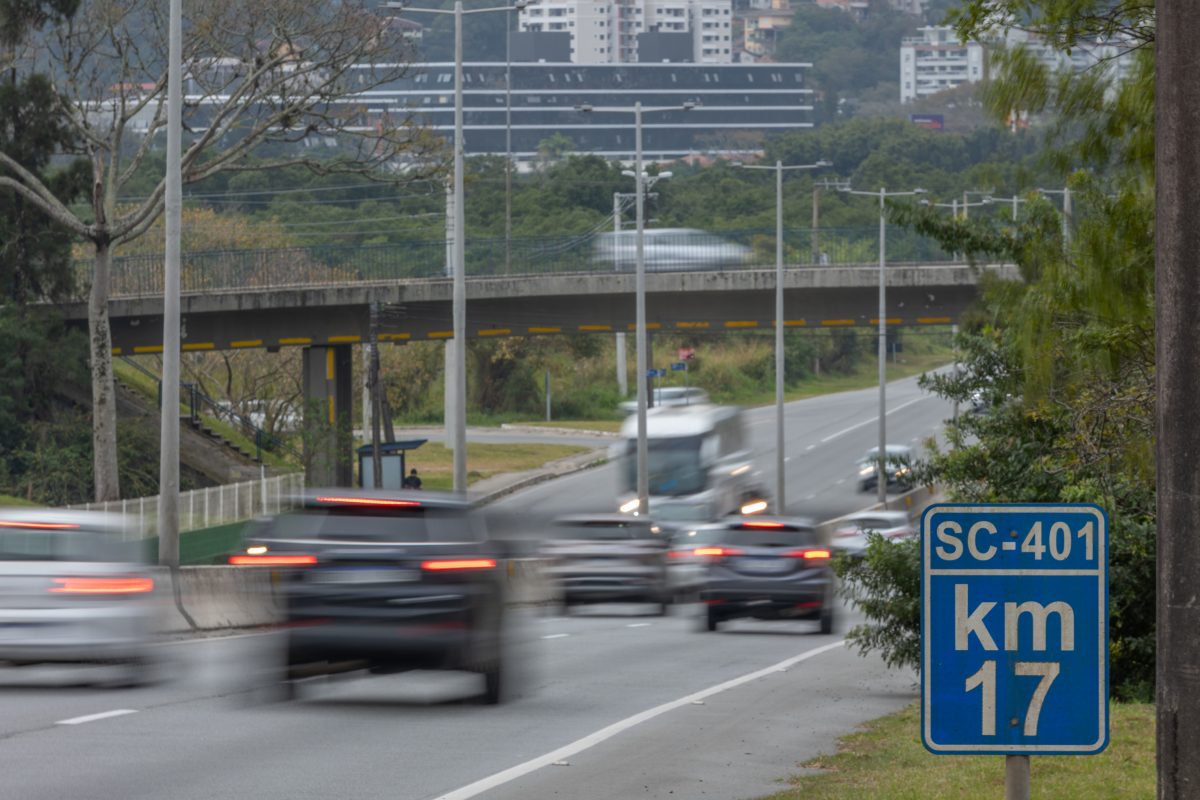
(556, 636)
(810, 447)
(639, 625)
(840, 481)
(604, 734)
(119, 712)
(810, 496)
(875, 418)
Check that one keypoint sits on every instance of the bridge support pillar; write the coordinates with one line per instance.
(328, 423)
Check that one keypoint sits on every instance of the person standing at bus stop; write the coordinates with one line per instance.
(412, 480)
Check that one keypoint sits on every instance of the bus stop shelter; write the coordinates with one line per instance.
(393, 457)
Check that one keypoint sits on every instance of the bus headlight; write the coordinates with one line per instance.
(630, 507)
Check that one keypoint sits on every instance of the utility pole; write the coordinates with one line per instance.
(816, 224)
(622, 366)
(1177, 240)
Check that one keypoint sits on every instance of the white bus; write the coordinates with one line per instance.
(699, 464)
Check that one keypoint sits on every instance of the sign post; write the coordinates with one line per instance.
(1014, 633)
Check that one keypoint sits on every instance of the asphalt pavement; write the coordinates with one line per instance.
(613, 703)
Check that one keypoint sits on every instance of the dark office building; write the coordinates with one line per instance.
(738, 105)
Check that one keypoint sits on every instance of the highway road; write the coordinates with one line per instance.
(613, 704)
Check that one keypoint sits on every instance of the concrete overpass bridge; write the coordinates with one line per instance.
(289, 298)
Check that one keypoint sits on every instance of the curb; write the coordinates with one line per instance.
(519, 428)
(539, 476)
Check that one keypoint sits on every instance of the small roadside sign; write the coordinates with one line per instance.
(655, 373)
(686, 353)
(679, 366)
(1014, 629)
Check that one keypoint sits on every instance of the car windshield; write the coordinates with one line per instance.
(681, 512)
(674, 466)
(876, 523)
(371, 524)
(699, 537)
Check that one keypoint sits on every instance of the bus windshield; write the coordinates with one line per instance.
(674, 466)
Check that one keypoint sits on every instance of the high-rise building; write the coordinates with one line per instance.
(936, 61)
(629, 31)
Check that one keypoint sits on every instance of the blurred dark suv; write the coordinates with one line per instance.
(766, 569)
(387, 582)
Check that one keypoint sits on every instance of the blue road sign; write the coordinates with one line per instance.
(679, 366)
(1014, 629)
(655, 373)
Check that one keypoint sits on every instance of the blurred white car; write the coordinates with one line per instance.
(669, 397)
(668, 250)
(69, 593)
(850, 536)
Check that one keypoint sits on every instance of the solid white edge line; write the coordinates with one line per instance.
(591, 740)
(120, 712)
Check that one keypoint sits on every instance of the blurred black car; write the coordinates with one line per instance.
(767, 569)
(898, 465)
(387, 582)
(601, 558)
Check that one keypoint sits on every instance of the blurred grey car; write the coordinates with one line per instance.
(769, 569)
(602, 558)
(897, 465)
(850, 536)
(70, 593)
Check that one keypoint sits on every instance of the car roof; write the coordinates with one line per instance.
(679, 420)
(900, 517)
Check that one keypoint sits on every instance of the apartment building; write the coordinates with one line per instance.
(629, 31)
(936, 61)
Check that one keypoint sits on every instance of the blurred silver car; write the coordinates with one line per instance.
(69, 592)
(608, 558)
(850, 536)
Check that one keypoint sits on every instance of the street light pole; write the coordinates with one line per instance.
(168, 467)
(881, 465)
(639, 178)
(458, 394)
(780, 376)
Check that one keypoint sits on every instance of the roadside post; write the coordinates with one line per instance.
(681, 366)
(1014, 633)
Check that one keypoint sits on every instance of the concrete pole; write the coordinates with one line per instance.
(1066, 222)
(168, 467)
(780, 498)
(373, 373)
(882, 471)
(508, 143)
(460, 276)
(816, 223)
(448, 370)
(366, 389)
(643, 477)
(622, 368)
(1177, 239)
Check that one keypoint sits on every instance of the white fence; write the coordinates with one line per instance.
(206, 508)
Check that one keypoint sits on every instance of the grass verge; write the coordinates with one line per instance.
(9, 500)
(864, 377)
(435, 463)
(609, 425)
(886, 761)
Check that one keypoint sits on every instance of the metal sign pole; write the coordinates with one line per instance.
(1016, 778)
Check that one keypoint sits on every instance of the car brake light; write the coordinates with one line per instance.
(291, 560)
(444, 565)
(369, 501)
(763, 525)
(681, 553)
(40, 526)
(718, 552)
(810, 555)
(103, 585)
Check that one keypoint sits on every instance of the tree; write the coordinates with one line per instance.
(266, 85)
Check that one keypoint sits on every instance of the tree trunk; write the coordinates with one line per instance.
(104, 395)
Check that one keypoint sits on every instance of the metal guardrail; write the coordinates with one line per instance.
(666, 250)
(207, 508)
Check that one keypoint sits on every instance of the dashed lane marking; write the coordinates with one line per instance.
(118, 712)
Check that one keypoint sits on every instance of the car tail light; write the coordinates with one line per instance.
(110, 585)
(369, 501)
(277, 560)
(717, 552)
(457, 564)
(681, 553)
(40, 526)
(763, 525)
(811, 554)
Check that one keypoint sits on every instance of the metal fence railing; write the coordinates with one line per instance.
(207, 508)
(666, 250)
